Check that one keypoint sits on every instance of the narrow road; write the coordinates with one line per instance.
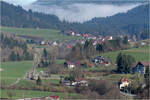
(17, 81)
(127, 94)
(37, 51)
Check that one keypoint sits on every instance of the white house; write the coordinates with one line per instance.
(83, 83)
(43, 42)
(124, 83)
(55, 43)
(78, 35)
(71, 66)
(143, 43)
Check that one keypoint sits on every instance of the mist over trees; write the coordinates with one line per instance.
(132, 22)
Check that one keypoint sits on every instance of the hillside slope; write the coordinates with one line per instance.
(132, 22)
(16, 16)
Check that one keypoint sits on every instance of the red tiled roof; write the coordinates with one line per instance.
(54, 97)
(124, 80)
(68, 46)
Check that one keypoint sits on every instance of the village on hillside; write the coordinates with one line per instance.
(78, 64)
(74, 50)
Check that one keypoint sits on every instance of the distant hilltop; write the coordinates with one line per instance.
(47, 2)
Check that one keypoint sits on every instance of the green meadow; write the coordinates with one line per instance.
(14, 70)
(116, 77)
(140, 54)
(17, 94)
(48, 34)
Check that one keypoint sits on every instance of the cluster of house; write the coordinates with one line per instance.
(90, 36)
(124, 82)
(139, 68)
(43, 98)
(78, 82)
(42, 42)
(101, 60)
(97, 39)
(55, 43)
(141, 43)
(87, 36)
(71, 65)
(72, 33)
(70, 43)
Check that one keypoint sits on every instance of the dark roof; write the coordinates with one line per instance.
(145, 64)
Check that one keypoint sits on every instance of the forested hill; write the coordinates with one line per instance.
(16, 16)
(133, 22)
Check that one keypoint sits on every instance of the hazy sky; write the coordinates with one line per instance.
(77, 12)
(80, 12)
(20, 2)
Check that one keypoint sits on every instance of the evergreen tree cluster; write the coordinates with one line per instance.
(11, 43)
(124, 63)
(45, 60)
(16, 57)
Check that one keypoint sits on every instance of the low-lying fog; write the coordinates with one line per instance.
(80, 12)
(76, 12)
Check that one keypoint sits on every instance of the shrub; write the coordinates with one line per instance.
(38, 81)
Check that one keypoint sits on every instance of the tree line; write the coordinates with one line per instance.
(88, 50)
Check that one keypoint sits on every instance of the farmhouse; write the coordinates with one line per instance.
(51, 98)
(55, 43)
(107, 38)
(43, 42)
(44, 74)
(54, 97)
(72, 33)
(69, 83)
(140, 67)
(83, 42)
(69, 46)
(70, 65)
(107, 61)
(124, 82)
(101, 60)
(83, 83)
(78, 35)
(95, 43)
(143, 43)
(66, 82)
(98, 59)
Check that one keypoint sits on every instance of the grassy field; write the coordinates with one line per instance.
(42, 33)
(31, 94)
(14, 70)
(116, 77)
(140, 54)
